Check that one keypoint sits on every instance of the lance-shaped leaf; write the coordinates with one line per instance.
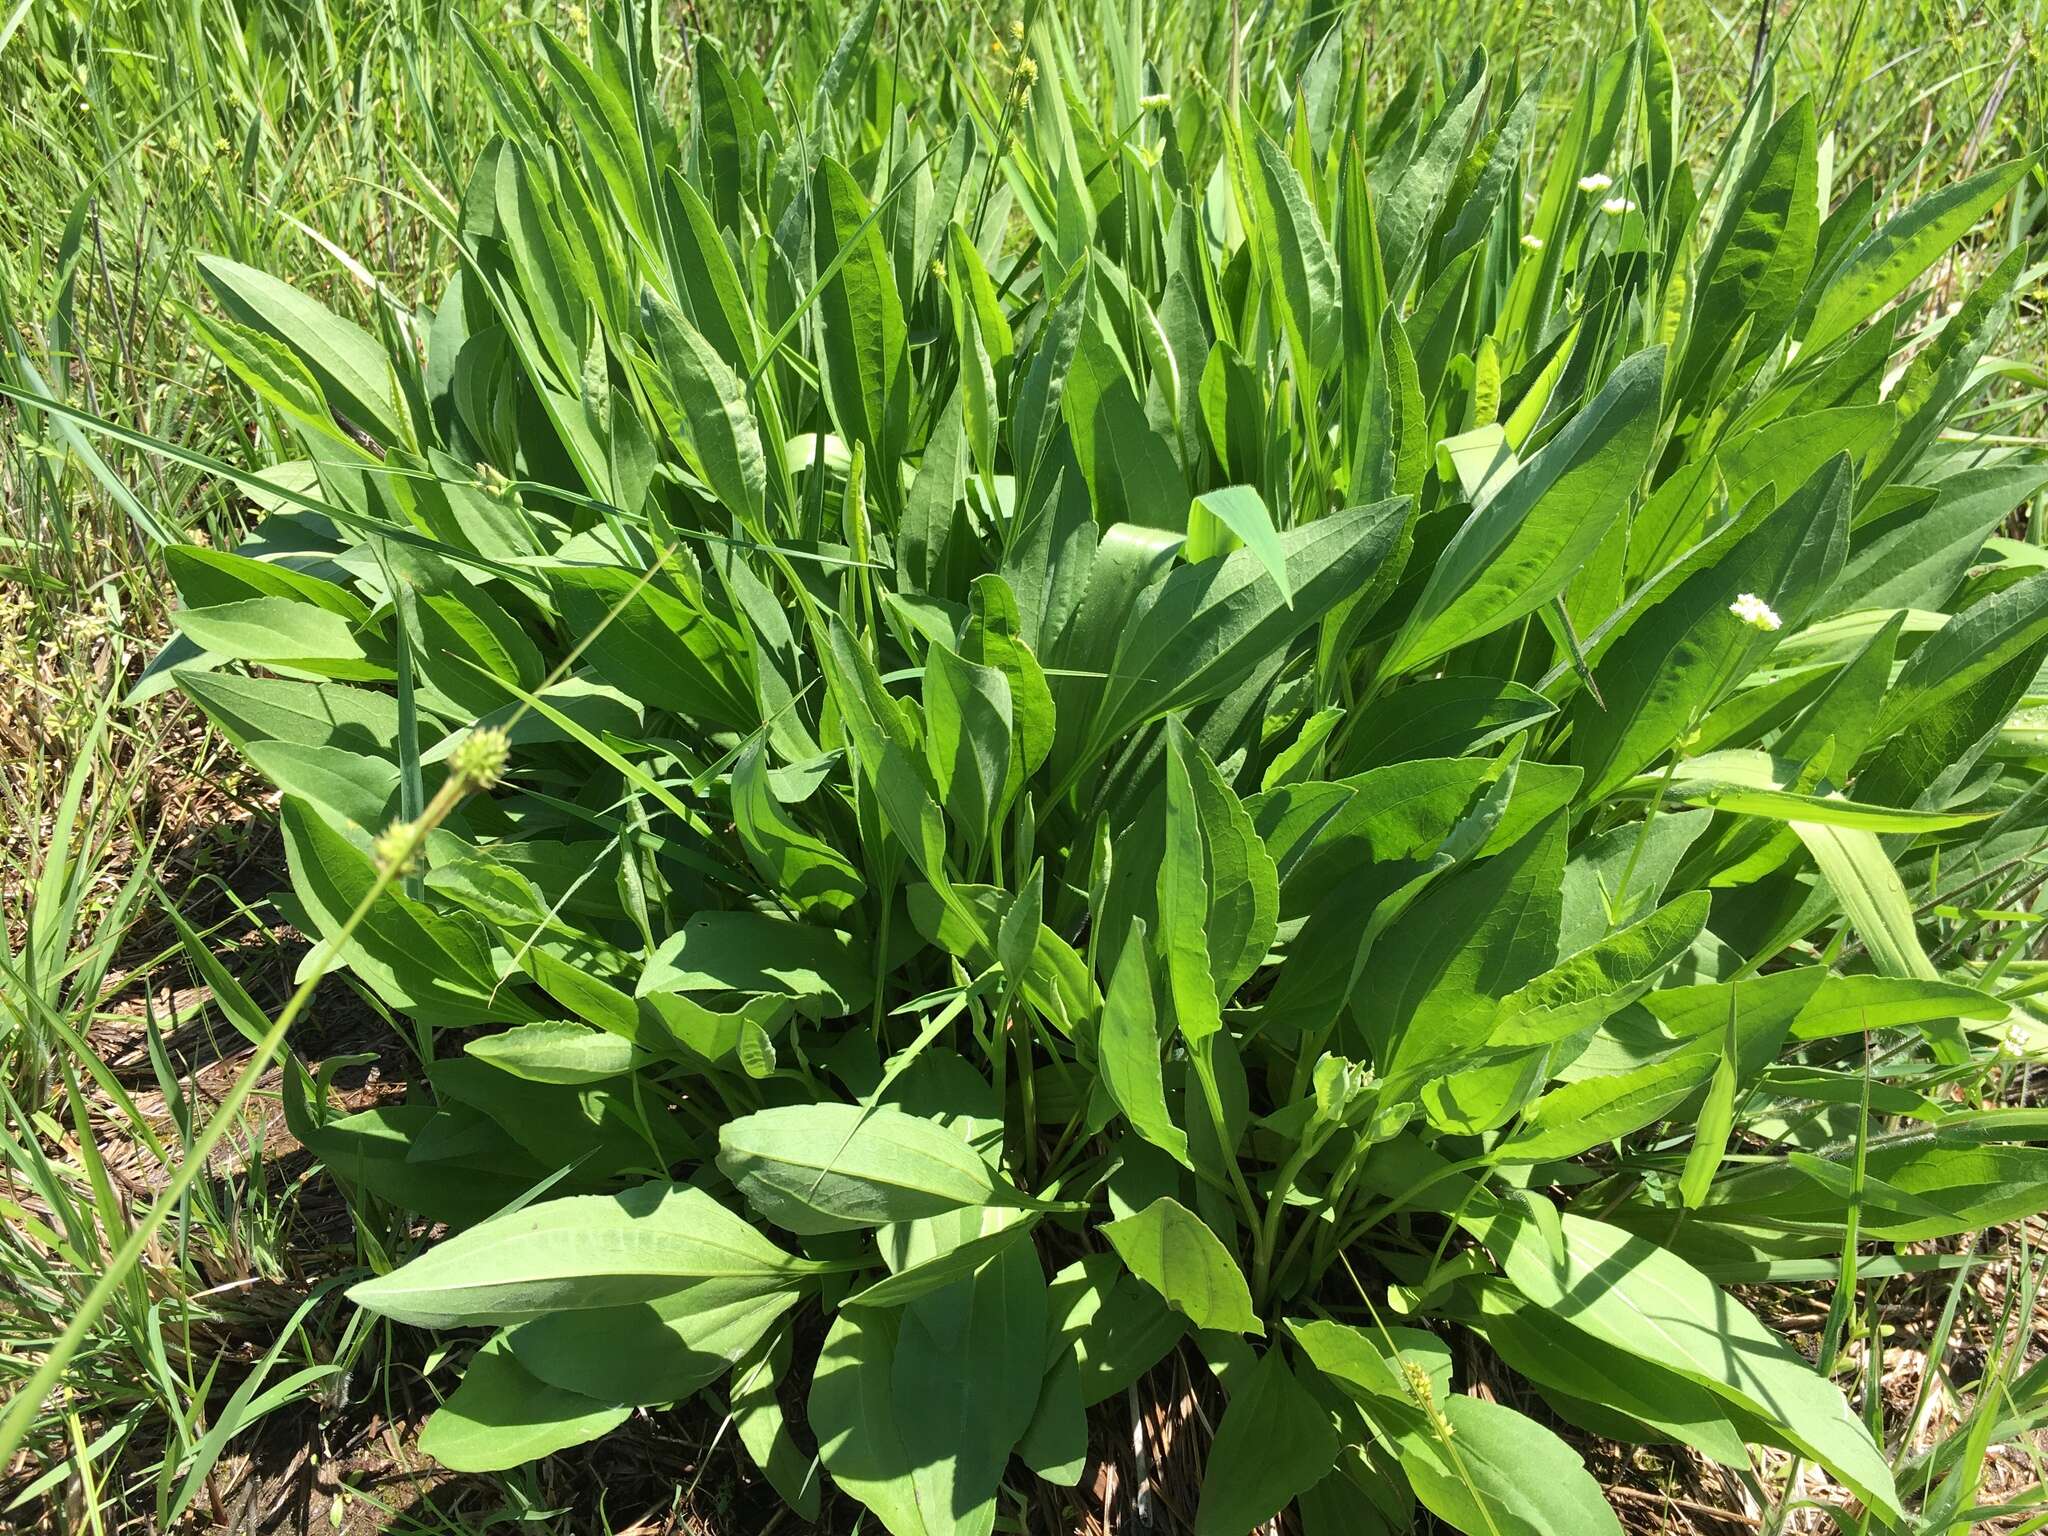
(651, 1352)
(1127, 1049)
(836, 1167)
(1298, 253)
(1206, 627)
(503, 1416)
(1601, 979)
(1685, 653)
(1762, 248)
(1502, 1471)
(864, 372)
(1880, 269)
(803, 867)
(1183, 897)
(715, 428)
(1275, 1441)
(1171, 1249)
(1523, 546)
(967, 738)
(1628, 1292)
(583, 1251)
(352, 367)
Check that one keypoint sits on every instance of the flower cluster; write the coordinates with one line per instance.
(1756, 613)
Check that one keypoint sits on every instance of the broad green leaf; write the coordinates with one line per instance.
(501, 1416)
(1243, 882)
(348, 784)
(1171, 1249)
(1715, 1122)
(1615, 877)
(1237, 515)
(1524, 545)
(1275, 1441)
(1183, 897)
(1116, 1326)
(1203, 629)
(651, 1352)
(751, 952)
(822, 1167)
(715, 429)
(410, 954)
(1680, 658)
(280, 631)
(1057, 985)
(1581, 1368)
(1600, 979)
(923, 1276)
(890, 762)
(1580, 1115)
(1298, 253)
(1867, 884)
(866, 376)
(1055, 1445)
(578, 1252)
(350, 364)
(802, 866)
(1369, 1363)
(1504, 1473)
(1627, 1292)
(1968, 649)
(1851, 1004)
(206, 577)
(1921, 1185)
(966, 1369)
(1757, 260)
(371, 1151)
(854, 1413)
(1127, 1049)
(994, 638)
(552, 1051)
(1753, 784)
(967, 739)
(1439, 717)
(254, 709)
(1439, 972)
(654, 646)
(1917, 557)
(763, 1428)
(924, 537)
(1881, 268)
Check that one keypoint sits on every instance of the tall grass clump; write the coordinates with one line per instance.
(987, 721)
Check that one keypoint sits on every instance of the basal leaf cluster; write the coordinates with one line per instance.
(1148, 704)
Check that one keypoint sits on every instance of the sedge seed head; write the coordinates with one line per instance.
(480, 757)
(1418, 1382)
(393, 850)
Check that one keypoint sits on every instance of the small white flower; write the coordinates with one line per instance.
(1156, 101)
(1617, 206)
(1599, 181)
(1756, 613)
(1532, 242)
